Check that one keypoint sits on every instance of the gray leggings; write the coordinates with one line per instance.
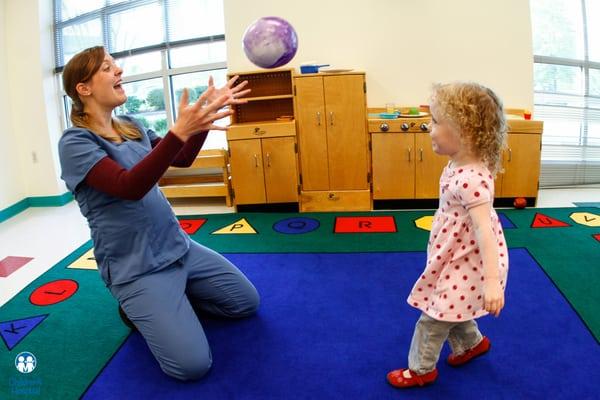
(429, 337)
(161, 305)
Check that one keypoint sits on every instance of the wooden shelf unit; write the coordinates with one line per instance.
(198, 184)
(263, 149)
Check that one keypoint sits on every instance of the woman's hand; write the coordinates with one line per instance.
(200, 116)
(493, 296)
(232, 92)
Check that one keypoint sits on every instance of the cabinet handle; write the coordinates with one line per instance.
(509, 155)
(258, 131)
(331, 118)
(409, 150)
(420, 154)
(268, 160)
(319, 118)
(255, 161)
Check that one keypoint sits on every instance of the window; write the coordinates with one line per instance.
(566, 48)
(162, 46)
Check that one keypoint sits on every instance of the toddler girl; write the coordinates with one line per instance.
(467, 256)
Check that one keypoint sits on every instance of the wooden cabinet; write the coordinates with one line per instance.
(405, 166)
(264, 170)
(262, 141)
(393, 165)
(333, 142)
(521, 162)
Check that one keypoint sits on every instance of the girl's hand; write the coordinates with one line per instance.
(493, 296)
(233, 93)
(200, 116)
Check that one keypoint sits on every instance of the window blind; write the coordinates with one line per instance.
(566, 47)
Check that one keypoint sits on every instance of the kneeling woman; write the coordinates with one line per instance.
(112, 166)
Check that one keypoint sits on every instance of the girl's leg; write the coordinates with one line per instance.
(216, 286)
(428, 339)
(464, 336)
(160, 310)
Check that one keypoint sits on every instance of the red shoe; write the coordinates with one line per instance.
(397, 379)
(482, 348)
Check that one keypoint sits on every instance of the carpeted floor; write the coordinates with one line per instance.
(333, 318)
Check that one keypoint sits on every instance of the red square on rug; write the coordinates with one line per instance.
(12, 263)
(365, 224)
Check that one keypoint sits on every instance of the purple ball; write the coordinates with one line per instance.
(270, 42)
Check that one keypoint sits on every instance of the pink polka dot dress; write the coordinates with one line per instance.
(451, 287)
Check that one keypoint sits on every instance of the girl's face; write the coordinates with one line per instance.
(104, 88)
(445, 140)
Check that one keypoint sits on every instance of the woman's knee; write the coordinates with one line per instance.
(187, 368)
(250, 304)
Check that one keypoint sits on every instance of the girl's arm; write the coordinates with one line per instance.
(493, 295)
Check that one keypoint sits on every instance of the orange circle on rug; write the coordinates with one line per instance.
(53, 292)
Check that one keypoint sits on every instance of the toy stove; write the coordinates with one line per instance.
(401, 124)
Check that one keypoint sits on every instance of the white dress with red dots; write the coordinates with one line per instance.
(451, 287)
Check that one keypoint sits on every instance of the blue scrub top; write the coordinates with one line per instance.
(131, 238)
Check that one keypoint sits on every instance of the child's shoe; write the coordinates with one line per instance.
(396, 378)
(482, 348)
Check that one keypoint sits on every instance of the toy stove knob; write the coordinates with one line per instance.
(404, 127)
(424, 127)
(384, 127)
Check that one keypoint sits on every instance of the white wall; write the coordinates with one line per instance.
(11, 188)
(32, 101)
(404, 45)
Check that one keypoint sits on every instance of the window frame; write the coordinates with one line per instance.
(165, 73)
(584, 112)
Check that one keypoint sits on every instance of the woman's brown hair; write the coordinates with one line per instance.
(80, 69)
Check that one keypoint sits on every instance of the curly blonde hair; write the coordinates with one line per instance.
(478, 115)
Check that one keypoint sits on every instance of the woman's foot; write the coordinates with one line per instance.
(405, 378)
(126, 320)
(481, 348)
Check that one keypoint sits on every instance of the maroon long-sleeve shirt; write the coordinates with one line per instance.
(110, 177)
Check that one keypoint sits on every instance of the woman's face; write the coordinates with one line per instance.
(104, 88)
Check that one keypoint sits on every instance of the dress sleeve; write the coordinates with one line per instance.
(474, 189)
(78, 151)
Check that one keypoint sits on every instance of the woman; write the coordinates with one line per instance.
(112, 166)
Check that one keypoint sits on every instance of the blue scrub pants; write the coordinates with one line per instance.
(160, 305)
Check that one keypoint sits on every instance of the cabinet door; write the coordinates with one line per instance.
(247, 171)
(281, 179)
(312, 133)
(429, 167)
(345, 106)
(521, 165)
(393, 165)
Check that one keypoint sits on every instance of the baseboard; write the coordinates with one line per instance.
(38, 201)
(13, 210)
(50, 201)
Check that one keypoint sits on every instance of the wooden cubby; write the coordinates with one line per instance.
(271, 96)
